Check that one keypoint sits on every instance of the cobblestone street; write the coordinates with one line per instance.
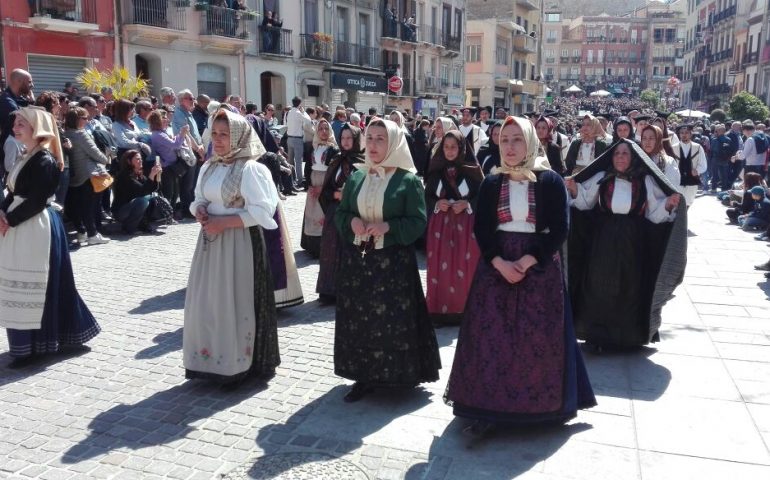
(695, 406)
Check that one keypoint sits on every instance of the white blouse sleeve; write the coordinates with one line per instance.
(260, 196)
(672, 172)
(656, 203)
(701, 164)
(199, 198)
(587, 193)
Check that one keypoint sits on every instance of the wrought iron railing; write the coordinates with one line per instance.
(315, 47)
(226, 22)
(72, 10)
(171, 14)
(354, 54)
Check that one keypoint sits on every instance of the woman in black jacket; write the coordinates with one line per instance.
(544, 128)
(133, 192)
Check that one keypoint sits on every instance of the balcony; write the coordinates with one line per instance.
(160, 20)
(564, 59)
(751, 58)
(720, 89)
(524, 43)
(316, 46)
(725, 14)
(346, 53)
(663, 59)
(392, 29)
(550, 60)
(551, 40)
(68, 16)
(275, 41)
(528, 4)
(428, 84)
(576, 60)
(225, 29)
(726, 54)
(452, 43)
(429, 34)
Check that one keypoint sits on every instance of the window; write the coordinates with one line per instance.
(564, 52)
(363, 29)
(473, 53)
(342, 24)
(444, 74)
(576, 53)
(552, 17)
(551, 36)
(516, 68)
(311, 16)
(458, 23)
(526, 25)
(501, 53)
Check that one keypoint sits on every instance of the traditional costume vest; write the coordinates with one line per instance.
(638, 195)
(686, 165)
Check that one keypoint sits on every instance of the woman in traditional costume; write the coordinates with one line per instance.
(383, 337)
(324, 150)
(635, 248)
(230, 328)
(545, 127)
(39, 304)
(517, 360)
(441, 126)
(587, 148)
(340, 169)
(623, 128)
(653, 145)
(489, 154)
(452, 186)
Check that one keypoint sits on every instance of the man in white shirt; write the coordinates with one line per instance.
(692, 163)
(754, 149)
(296, 123)
(484, 115)
(473, 133)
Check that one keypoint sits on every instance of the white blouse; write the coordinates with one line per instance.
(588, 196)
(586, 154)
(371, 199)
(257, 189)
(519, 203)
(318, 158)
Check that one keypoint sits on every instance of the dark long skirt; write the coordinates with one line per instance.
(329, 259)
(517, 359)
(66, 319)
(612, 307)
(383, 335)
(275, 254)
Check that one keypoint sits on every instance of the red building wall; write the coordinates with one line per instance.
(19, 38)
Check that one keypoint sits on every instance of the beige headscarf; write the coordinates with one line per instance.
(244, 141)
(596, 127)
(245, 145)
(331, 142)
(400, 119)
(532, 163)
(397, 156)
(45, 130)
(447, 124)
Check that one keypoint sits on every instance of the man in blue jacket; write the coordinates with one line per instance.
(17, 95)
(721, 151)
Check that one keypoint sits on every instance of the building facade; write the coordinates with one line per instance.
(502, 61)
(55, 40)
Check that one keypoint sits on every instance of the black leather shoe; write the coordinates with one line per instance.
(357, 392)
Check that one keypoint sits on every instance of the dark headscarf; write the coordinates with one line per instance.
(620, 120)
(356, 151)
(550, 125)
(465, 161)
(641, 165)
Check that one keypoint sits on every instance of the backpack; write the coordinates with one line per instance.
(760, 142)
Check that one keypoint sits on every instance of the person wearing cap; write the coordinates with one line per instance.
(500, 113)
(759, 217)
(475, 136)
(640, 121)
(692, 162)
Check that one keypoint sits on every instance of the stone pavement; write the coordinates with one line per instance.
(695, 406)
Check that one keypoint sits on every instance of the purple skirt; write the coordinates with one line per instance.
(517, 359)
(275, 254)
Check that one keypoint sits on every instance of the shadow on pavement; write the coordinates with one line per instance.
(627, 373)
(159, 303)
(159, 419)
(506, 453)
(165, 342)
(8, 375)
(343, 424)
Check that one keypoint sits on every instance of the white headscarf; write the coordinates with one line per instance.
(331, 141)
(397, 156)
(46, 132)
(532, 162)
(400, 122)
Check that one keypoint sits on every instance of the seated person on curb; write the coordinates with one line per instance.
(759, 218)
(133, 193)
(745, 204)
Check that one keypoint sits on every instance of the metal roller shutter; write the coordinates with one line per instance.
(51, 73)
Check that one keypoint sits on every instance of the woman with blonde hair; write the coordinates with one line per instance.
(230, 328)
(382, 337)
(39, 304)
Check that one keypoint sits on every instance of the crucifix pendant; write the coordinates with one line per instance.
(363, 253)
